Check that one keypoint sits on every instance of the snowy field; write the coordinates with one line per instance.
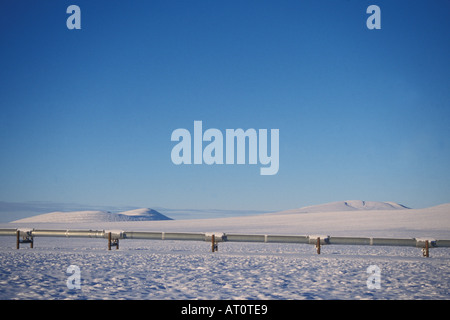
(187, 270)
(155, 269)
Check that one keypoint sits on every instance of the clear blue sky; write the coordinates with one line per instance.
(87, 115)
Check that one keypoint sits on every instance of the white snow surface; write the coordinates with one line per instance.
(156, 269)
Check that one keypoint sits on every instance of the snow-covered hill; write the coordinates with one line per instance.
(143, 214)
(349, 205)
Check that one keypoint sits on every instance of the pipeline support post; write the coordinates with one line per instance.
(426, 249)
(214, 239)
(27, 237)
(214, 246)
(318, 245)
(112, 242)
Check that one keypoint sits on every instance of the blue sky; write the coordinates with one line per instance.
(87, 115)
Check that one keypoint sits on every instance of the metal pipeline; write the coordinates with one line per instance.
(286, 239)
(393, 242)
(69, 233)
(164, 236)
(350, 241)
(245, 238)
(8, 232)
(223, 237)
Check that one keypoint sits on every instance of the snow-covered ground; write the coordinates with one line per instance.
(178, 270)
(146, 269)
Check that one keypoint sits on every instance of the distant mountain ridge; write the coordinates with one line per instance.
(349, 205)
(143, 214)
(147, 214)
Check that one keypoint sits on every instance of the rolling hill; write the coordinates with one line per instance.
(143, 214)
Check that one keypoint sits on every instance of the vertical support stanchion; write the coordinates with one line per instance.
(318, 245)
(109, 240)
(213, 240)
(427, 249)
(24, 237)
